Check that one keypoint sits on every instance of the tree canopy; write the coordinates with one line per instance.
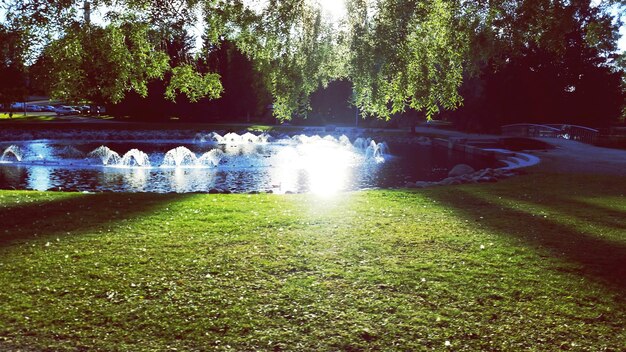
(398, 54)
(12, 67)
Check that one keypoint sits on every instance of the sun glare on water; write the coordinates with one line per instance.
(326, 167)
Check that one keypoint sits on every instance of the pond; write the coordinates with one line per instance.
(228, 162)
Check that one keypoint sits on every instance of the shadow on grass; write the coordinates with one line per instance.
(76, 214)
(586, 211)
(593, 255)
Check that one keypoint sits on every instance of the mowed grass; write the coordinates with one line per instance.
(20, 116)
(537, 262)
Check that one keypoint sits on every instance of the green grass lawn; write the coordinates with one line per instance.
(19, 116)
(537, 262)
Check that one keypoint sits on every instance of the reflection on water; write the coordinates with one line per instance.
(39, 179)
(13, 176)
(179, 180)
(298, 164)
(184, 180)
(131, 179)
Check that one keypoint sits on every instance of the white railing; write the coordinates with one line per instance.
(573, 132)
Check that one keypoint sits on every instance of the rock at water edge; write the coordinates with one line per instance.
(460, 170)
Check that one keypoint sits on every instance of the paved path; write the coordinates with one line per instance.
(576, 157)
(567, 157)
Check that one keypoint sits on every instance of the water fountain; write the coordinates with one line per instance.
(70, 152)
(239, 162)
(201, 137)
(135, 157)
(12, 153)
(179, 156)
(376, 151)
(231, 138)
(183, 157)
(211, 158)
(106, 155)
(344, 140)
(232, 149)
(362, 143)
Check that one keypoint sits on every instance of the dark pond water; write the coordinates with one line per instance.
(291, 164)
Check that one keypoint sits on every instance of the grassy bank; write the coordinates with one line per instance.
(536, 262)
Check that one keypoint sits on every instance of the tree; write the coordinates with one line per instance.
(292, 46)
(245, 94)
(398, 54)
(407, 53)
(555, 67)
(12, 67)
(101, 63)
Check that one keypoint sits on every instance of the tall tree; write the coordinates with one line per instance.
(547, 61)
(292, 46)
(102, 63)
(12, 66)
(407, 53)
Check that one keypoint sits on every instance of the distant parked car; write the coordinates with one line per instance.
(48, 108)
(17, 106)
(34, 108)
(84, 109)
(66, 110)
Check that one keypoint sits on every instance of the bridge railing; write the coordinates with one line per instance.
(573, 132)
(530, 130)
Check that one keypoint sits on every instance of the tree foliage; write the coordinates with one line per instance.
(12, 65)
(398, 54)
(101, 64)
(291, 44)
(407, 53)
(556, 64)
(193, 84)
